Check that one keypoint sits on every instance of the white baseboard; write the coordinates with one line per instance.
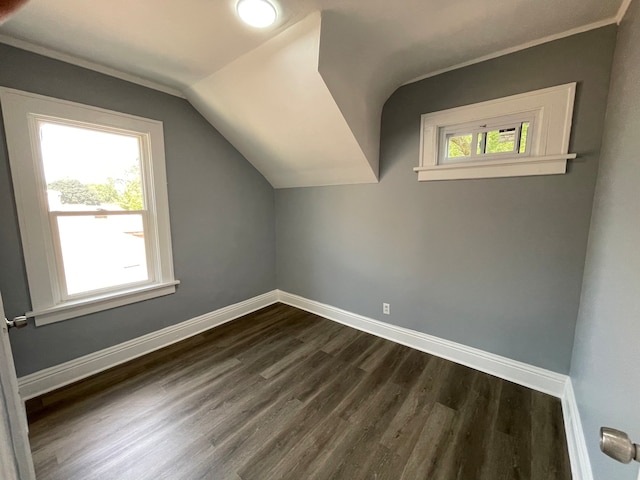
(580, 464)
(536, 378)
(58, 376)
(529, 376)
(524, 374)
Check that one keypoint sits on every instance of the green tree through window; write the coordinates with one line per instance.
(74, 192)
(126, 193)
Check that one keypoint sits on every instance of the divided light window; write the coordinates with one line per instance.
(482, 141)
(515, 136)
(92, 204)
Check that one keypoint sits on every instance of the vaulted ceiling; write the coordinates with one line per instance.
(302, 99)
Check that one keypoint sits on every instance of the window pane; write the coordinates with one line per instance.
(102, 251)
(499, 141)
(89, 169)
(523, 137)
(459, 145)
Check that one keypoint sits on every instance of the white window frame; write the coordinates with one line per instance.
(549, 111)
(22, 111)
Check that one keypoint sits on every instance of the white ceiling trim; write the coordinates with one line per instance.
(622, 11)
(96, 67)
(524, 46)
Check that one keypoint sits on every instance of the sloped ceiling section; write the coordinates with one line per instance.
(302, 100)
(276, 107)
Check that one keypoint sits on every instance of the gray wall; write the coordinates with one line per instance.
(360, 100)
(222, 217)
(495, 263)
(607, 349)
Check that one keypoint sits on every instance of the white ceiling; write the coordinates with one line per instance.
(377, 45)
(276, 108)
(180, 42)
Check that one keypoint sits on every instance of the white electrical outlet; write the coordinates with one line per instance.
(386, 309)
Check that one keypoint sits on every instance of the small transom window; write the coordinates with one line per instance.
(526, 134)
(501, 137)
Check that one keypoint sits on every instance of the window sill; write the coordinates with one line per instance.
(506, 167)
(86, 306)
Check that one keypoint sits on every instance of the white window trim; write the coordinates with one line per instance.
(547, 142)
(20, 112)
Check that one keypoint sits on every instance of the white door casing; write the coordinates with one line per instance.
(8, 467)
(15, 453)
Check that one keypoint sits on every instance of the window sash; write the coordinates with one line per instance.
(57, 273)
(475, 131)
(149, 240)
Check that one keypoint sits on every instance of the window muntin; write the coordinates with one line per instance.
(117, 223)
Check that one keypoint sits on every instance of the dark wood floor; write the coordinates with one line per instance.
(283, 394)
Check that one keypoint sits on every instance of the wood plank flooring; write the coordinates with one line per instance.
(284, 394)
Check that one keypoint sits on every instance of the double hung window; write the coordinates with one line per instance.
(92, 205)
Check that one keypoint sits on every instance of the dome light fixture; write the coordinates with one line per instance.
(257, 13)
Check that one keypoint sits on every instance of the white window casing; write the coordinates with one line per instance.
(22, 112)
(548, 113)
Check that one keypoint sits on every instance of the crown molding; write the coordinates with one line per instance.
(81, 62)
(523, 46)
(622, 11)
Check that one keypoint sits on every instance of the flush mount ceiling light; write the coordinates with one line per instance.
(257, 13)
